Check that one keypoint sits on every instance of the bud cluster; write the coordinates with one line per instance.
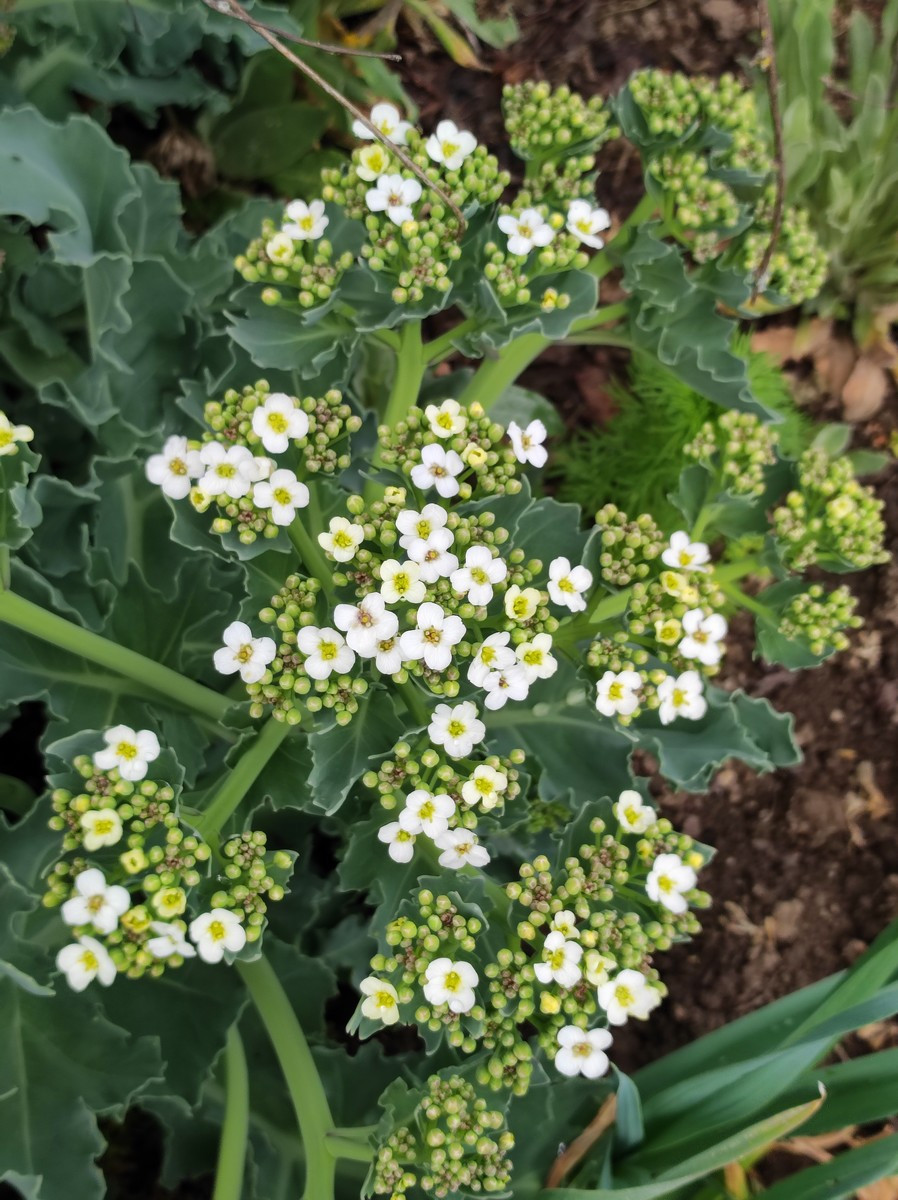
(455, 1145)
(798, 267)
(829, 516)
(699, 201)
(737, 447)
(295, 272)
(818, 619)
(255, 877)
(543, 122)
(628, 547)
(409, 770)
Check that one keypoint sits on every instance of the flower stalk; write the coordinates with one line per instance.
(147, 678)
(235, 1127)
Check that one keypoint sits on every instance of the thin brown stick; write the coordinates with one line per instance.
(768, 63)
(581, 1145)
(224, 7)
(233, 8)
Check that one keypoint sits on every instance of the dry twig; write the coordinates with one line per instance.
(581, 1145)
(233, 8)
(768, 63)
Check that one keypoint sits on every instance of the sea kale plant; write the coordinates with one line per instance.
(349, 725)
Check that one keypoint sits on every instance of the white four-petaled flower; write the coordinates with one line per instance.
(684, 555)
(400, 842)
(230, 470)
(438, 469)
(509, 683)
(373, 161)
(681, 697)
(100, 827)
(476, 578)
(456, 728)
(703, 636)
(432, 556)
(244, 654)
(450, 145)
(417, 527)
(282, 495)
(305, 222)
(566, 923)
(528, 229)
(582, 1051)
(129, 750)
(325, 650)
(559, 960)
(400, 582)
(170, 939)
(386, 120)
(493, 654)
(394, 195)
(485, 787)
(633, 815)
(279, 421)
(567, 584)
(426, 813)
(174, 469)
(214, 932)
(668, 881)
(617, 693)
(96, 902)
(587, 223)
(381, 1001)
(447, 419)
(461, 848)
(628, 994)
(83, 961)
(528, 443)
(521, 603)
(452, 983)
(536, 657)
(342, 539)
(432, 640)
(366, 624)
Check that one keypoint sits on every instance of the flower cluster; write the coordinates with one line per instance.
(818, 618)
(454, 1144)
(737, 447)
(411, 235)
(829, 518)
(580, 953)
(135, 888)
(254, 494)
(676, 609)
(441, 800)
(422, 591)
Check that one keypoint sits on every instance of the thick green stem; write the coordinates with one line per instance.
(410, 367)
(149, 678)
(494, 375)
(441, 347)
(241, 778)
(235, 1127)
(602, 316)
(743, 600)
(300, 1074)
(340, 1146)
